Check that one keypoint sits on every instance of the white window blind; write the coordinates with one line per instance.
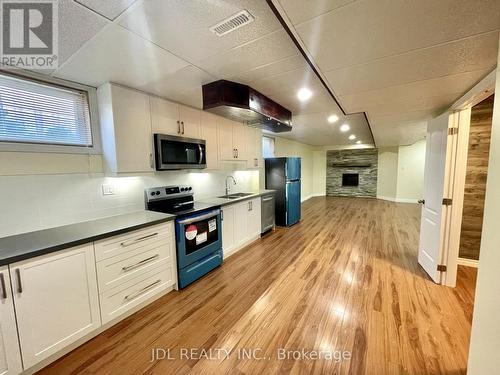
(32, 112)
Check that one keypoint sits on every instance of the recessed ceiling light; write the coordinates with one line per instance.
(344, 128)
(352, 137)
(333, 118)
(304, 94)
(358, 142)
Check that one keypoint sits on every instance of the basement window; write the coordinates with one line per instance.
(39, 113)
(267, 147)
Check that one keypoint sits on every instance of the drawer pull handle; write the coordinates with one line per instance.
(267, 199)
(135, 240)
(141, 291)
(4, 289)
(138, 264)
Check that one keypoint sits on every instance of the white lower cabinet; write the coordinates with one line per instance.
(240, 225)
(10, 355)
(56, 301)
(133, 267)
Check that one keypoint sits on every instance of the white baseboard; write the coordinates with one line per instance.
(398, 200)
(311, 196)
(468, 262)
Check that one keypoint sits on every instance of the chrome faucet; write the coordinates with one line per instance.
(227, 186)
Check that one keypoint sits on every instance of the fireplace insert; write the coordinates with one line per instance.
(350, 179)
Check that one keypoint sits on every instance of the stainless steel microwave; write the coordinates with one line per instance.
(172, 152)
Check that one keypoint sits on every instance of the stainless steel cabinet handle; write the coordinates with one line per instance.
(135, 240)
(4, 289)
(141, 291)
(182, 122)
(237, 154)
(178, 127)
(19, 282)
(267, 199)
(138, 264)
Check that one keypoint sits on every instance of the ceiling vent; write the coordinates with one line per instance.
(232, 23)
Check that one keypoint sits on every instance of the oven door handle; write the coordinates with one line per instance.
(198, 218)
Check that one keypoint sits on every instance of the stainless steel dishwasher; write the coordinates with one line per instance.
(267, 212)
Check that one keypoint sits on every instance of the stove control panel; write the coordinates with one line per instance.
(165, 192)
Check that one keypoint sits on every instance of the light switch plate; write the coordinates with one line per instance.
(108, 189)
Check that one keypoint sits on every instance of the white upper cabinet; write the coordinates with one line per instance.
(165, 116)
(190, 121)
(10, 356)
(125, 129)
(254, 147)
(232, 140)
(209, 134)
(56, 301)
(174, 119)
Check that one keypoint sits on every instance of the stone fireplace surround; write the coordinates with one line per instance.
(361, 161)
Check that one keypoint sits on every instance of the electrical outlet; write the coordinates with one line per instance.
(108, 189)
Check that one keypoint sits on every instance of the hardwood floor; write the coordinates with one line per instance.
(344, 279)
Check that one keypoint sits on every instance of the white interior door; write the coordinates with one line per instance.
(429, 251)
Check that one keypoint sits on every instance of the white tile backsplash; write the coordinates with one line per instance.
(30, 203)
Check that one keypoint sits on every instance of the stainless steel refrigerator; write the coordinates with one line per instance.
(283, 175)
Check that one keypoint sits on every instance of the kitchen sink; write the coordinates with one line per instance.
(236, 195)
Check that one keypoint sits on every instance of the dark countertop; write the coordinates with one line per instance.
(32, 244)
(226, 202)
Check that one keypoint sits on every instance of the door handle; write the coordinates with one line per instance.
(421, 201)
(237, 154)
(178, 127)
(182, 122)
(4, 289)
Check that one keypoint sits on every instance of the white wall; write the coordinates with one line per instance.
(485, 339)
(387, 178)
(401, 172)
(411, 165)
(33, 202)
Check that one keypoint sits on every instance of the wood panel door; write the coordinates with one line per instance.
(10, 356)
(429, 252)
(56, 301)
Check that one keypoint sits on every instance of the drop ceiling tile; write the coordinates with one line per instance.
(120, 56)
(77, 25)
(274, 68)
(289, 82)
(366, 30)
(175, 84)
(407, 134)
(182, 27)
(302, 10)
(265, 50)
(475, 53)
(109, 8)
(433, 93)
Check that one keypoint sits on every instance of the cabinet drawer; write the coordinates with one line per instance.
(132, 241)
(114, 271)
(119, 300)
